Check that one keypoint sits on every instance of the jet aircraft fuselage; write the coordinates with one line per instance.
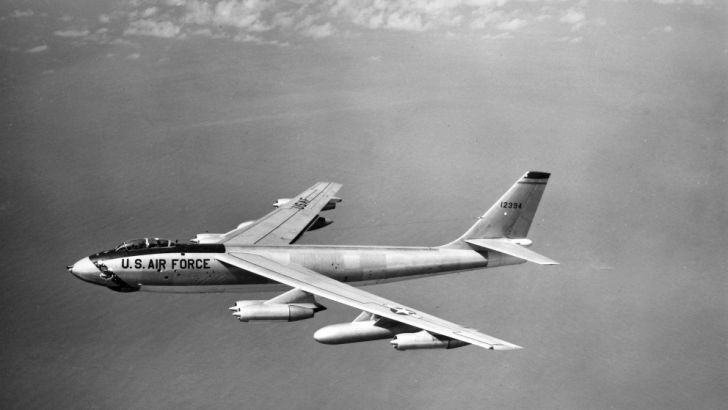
(183, 268)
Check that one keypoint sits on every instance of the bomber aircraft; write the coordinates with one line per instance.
(259, 255)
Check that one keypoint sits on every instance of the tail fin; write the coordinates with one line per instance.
(512, 215)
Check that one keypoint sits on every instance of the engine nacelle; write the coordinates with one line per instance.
(319, 223)
(331, 204)
(525, 242)
(247, 310)
(353, 332)
(244, 224)
(424, 340)
(280, 202)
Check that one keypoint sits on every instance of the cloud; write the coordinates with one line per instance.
(22, 13)
(248, 38)
(38, 49)
(405, 21)
(689, 2)
(274, 21)
(149, 12)
(485, 18)
(133, 56)
(162, 29)
(667, 29)
(501, 36)
(572, 16)
(122, 42)
(319, 30)
(404, 15)
(71, 33)
(576, 18)
(571, 40)
(246, 14)
(512, 25)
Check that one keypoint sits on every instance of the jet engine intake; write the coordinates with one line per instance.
(424, 340)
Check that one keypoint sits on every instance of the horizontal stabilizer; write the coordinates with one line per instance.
(505, 245)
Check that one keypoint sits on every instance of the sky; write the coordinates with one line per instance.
(124, 119)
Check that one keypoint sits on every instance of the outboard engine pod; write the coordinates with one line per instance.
(424, 340)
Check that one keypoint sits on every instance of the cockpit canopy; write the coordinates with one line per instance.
(145, 243)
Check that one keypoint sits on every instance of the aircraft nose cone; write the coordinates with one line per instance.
(84, 269)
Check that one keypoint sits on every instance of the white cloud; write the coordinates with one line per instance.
(37, 49)
(485, 3)
(407, 22)
(71, 33)
(133, 56)
(203, 32)
(123, 42)
(512, 25)
(149, 12)
(248, 38)
(667, 29)
(232, 13)
(485, 18)
(501, 36)
(407, 15)
(691, 2)
(319, 31)
(572, 16)
(283, 19)
(163, 29)
(22, 13)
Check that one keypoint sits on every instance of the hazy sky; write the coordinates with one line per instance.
(125, 119)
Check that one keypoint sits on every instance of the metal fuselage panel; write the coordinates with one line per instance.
(196, 268)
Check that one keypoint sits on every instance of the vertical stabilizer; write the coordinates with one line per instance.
(512, 215)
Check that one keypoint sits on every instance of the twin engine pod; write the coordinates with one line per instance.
(247, 310)
(404, 337)
(424, 340)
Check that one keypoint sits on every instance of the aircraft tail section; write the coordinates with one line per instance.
(509, 219)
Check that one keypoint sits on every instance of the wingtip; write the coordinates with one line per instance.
(537, 175)
(509, 346)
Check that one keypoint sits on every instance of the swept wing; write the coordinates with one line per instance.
(284, 225)
(307, 280)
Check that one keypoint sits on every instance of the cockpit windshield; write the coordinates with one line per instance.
(145, 243)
